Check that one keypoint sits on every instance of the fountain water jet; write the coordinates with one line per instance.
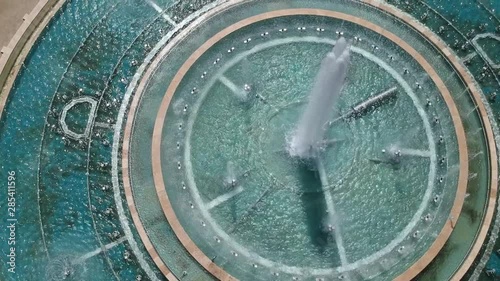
(230, 179)
(307, 138)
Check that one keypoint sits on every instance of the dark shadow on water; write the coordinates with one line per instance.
(314, 205)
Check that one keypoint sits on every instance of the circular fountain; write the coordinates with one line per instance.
(388, 179)
(252, 140)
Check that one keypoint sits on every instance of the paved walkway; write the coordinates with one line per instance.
(11, 17)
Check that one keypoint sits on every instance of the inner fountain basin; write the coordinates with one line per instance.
(218, 119)
(284, 230)
(28, 104)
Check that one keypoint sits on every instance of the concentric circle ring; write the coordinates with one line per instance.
(158, 177)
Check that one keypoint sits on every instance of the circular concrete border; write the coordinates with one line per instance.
(156, 158)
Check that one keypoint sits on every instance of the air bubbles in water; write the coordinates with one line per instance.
(401, 249)
(392, 154)
(115, 234)
(127, 256)
(442, 160)
(427, 217)
(247, 88)
(108, 211)
(60, 269)
(328, 224)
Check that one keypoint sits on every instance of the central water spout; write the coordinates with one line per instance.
(308, 136)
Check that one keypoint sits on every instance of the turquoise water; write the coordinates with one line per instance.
(208, 179)
(255, 139)
(70, 228)
(97, 46)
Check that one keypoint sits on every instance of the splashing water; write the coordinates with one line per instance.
(307, 138)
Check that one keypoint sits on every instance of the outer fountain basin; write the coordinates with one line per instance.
(212, 126)
(87, 206)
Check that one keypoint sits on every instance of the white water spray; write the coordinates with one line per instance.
(307, 138)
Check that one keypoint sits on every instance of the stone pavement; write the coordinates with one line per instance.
(11, 17)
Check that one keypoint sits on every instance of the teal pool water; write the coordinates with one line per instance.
(234, 124)
(68, 222)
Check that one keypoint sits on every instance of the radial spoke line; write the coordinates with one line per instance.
(223, 198)
(415, 152)
(160, 11)
(104, 125)
(238, 91)
(331, 212)
(330, 142)
(468, 57)
(248, 211)
(99, 250)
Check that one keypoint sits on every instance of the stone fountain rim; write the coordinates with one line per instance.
(373, 3)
